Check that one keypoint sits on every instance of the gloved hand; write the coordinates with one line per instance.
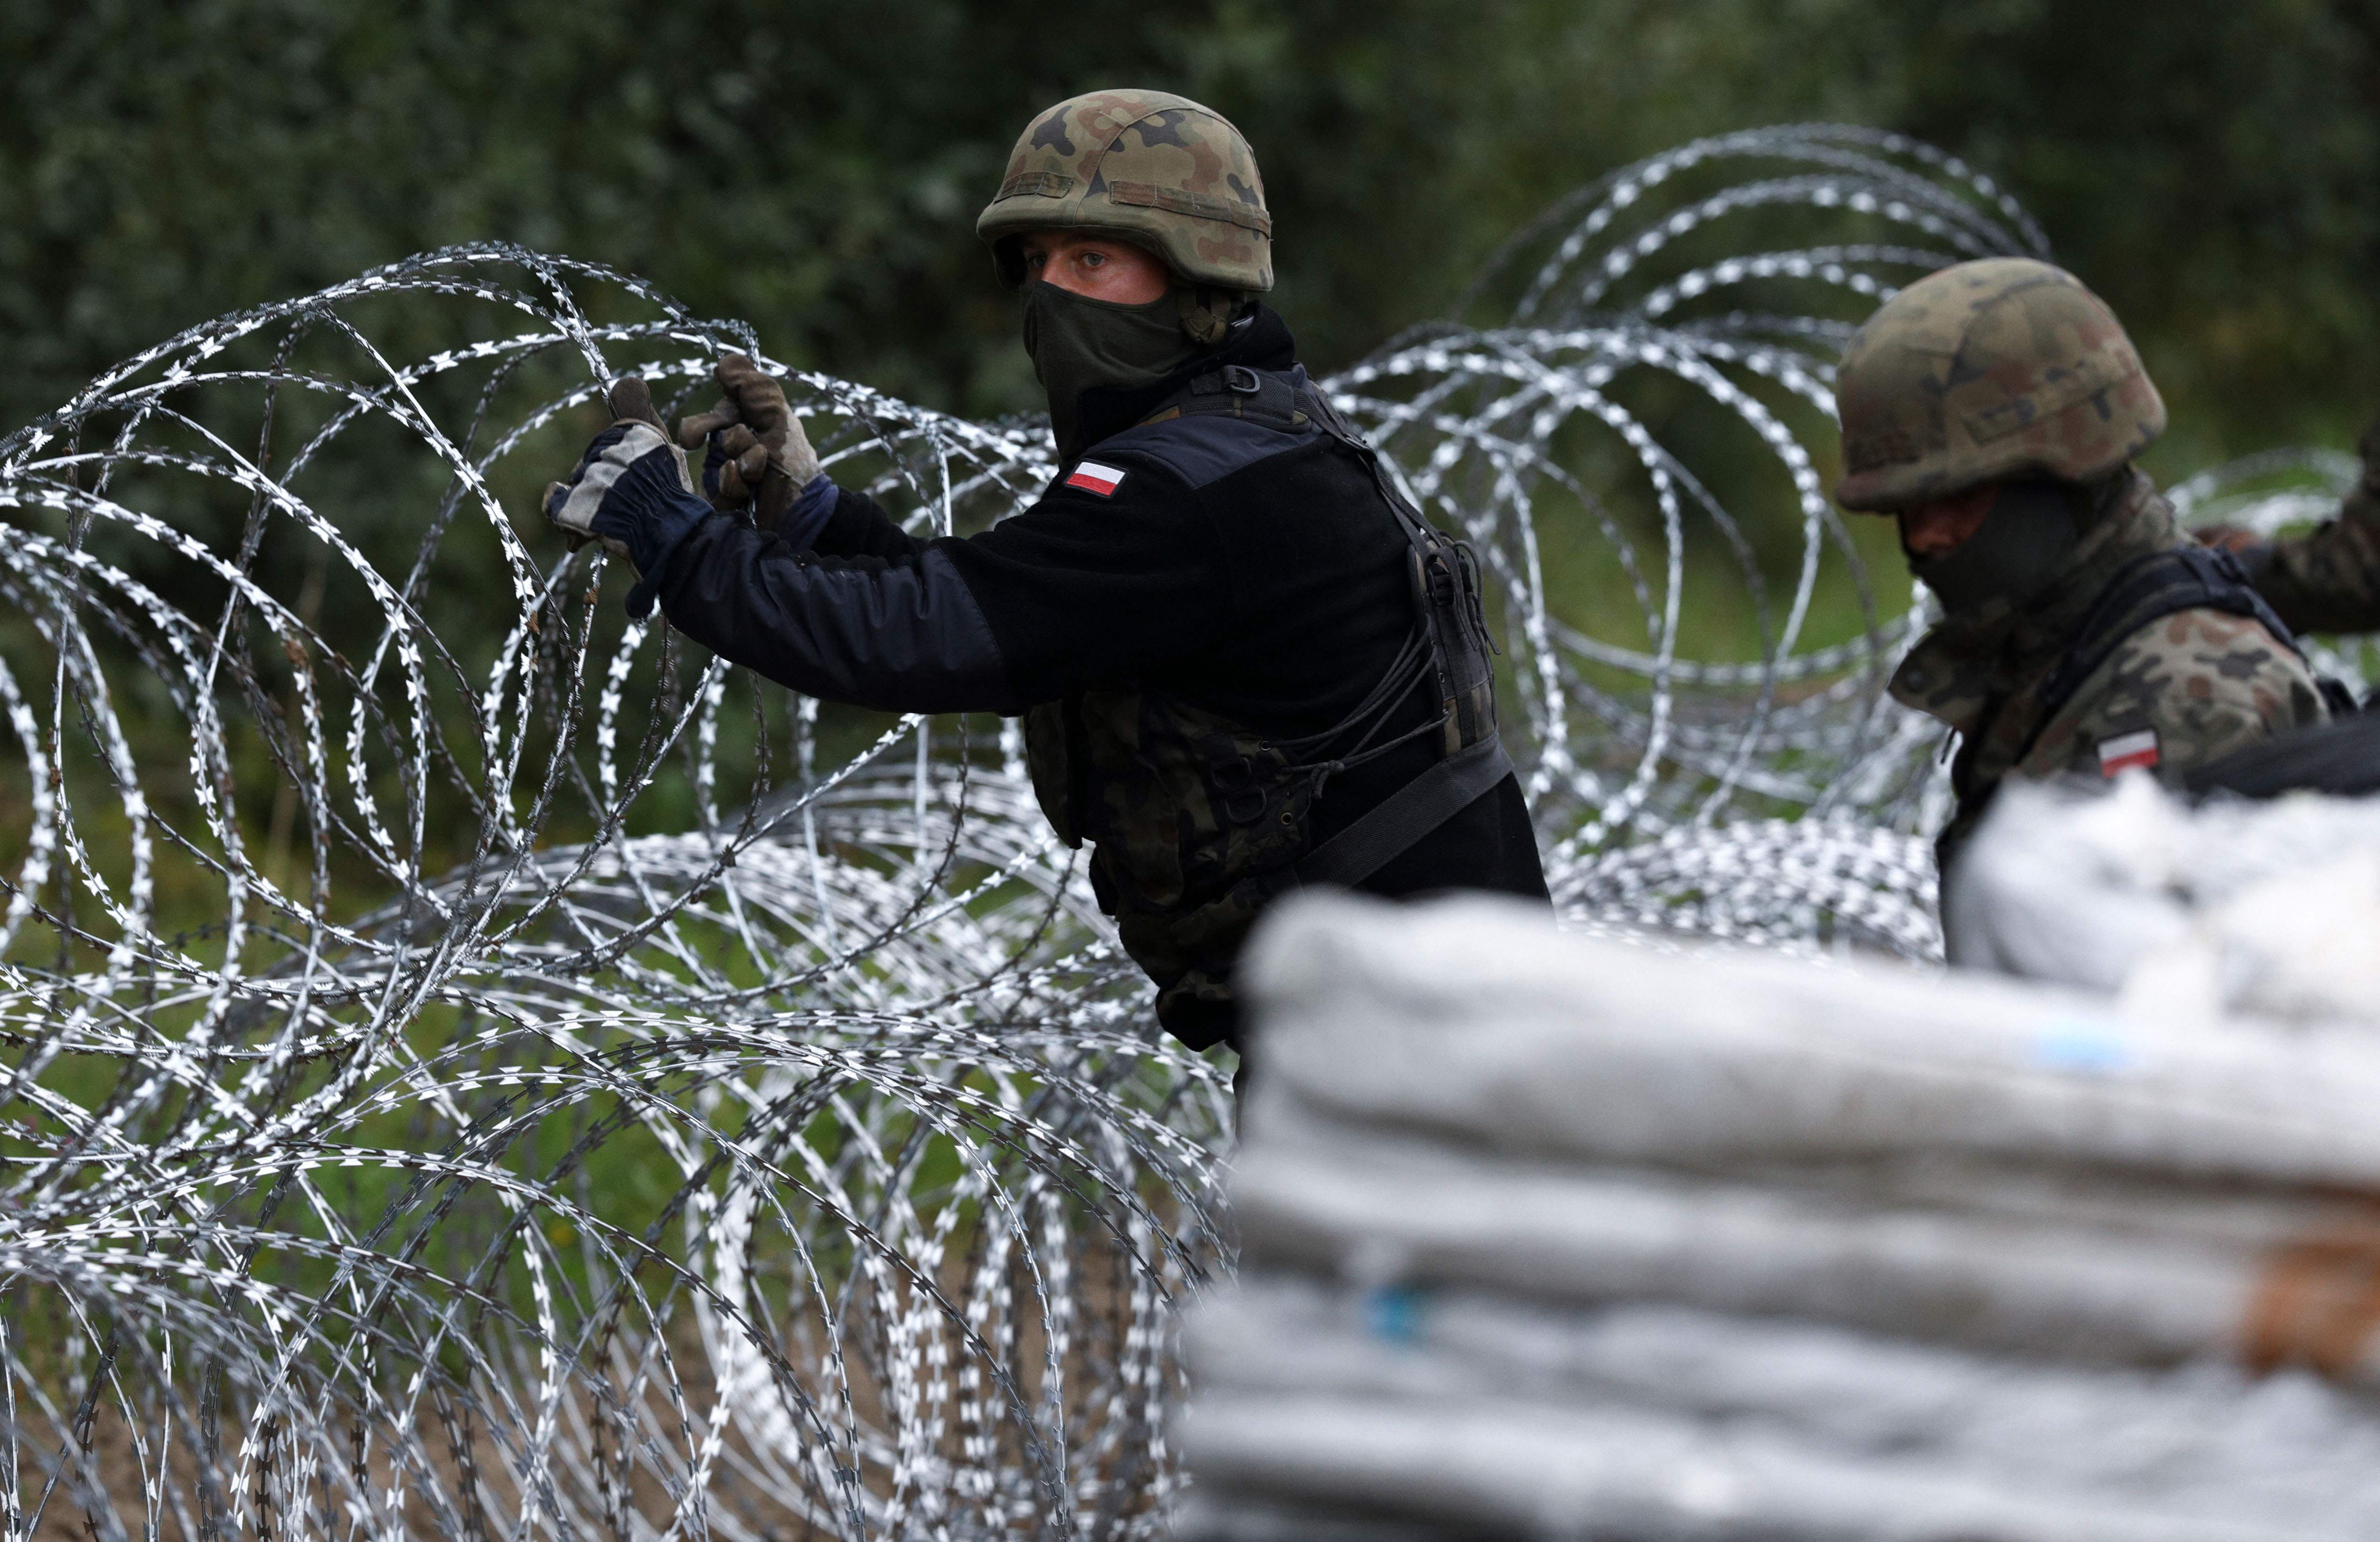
(759, 455)
(631, 491)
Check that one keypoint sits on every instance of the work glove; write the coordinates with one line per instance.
(759, 456)
(631, 491)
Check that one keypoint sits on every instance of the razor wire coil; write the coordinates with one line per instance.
(497, 1070)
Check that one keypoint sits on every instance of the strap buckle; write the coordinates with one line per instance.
(1241, 380)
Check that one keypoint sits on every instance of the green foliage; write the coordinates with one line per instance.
(2213, 167)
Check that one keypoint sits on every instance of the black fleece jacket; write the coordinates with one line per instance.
(1251, 571)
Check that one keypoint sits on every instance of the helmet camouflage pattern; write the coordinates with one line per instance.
(2004, 367)
(1158, 170)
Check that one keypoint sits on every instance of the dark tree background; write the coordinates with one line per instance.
(2212, 166)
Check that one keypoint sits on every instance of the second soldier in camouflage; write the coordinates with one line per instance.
(1995, 408)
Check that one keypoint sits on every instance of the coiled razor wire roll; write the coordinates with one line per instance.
(478, 1066)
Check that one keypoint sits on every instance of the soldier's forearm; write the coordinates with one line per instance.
(2329, 580)
(903, 636)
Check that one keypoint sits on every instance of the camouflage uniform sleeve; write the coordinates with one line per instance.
(2329, 580)
(2182, 691)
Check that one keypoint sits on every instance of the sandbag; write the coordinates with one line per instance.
(2183, 911)
(1658, 1421)
(1472, 1018)
(2144, 1276)
(1547, 1236)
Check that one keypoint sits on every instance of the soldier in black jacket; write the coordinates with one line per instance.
(1245, 664)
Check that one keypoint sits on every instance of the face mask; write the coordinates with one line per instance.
(1079, 344)
(2018, 550)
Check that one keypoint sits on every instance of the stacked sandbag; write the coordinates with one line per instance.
(2182, 909)
(1547, 1236)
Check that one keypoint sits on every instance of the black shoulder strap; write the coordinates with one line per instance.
(1445, 574)
(1404, 817)
(2148, 589)
(2340, 757)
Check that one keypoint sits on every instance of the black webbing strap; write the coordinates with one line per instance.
(1406, 816)
(2340, 757)
(2151, 589)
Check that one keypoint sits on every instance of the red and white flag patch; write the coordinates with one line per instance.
(2128, 750)
(1091, 476)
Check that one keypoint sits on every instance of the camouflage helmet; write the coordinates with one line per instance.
(1998, 368)
(1159, 171)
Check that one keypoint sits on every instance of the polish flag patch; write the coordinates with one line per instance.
(1091, 476)
(2128, 750)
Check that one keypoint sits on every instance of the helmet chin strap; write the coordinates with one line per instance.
(1208, 312)
(2017, 552)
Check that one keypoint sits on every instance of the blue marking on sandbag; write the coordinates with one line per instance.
(2081, 1044)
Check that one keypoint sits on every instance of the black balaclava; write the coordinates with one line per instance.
(1079, 344)
(2017, 552)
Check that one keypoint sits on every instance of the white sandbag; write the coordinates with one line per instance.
(1473, 1017)
(1514, 1469)
(1547, 1237)
(2069, 884)
(2266, 907)
(2201, 1439)
(2184, 1276)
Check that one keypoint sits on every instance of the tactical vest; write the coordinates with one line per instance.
(1196, 822)
(2149, 589)
(2146, 590)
